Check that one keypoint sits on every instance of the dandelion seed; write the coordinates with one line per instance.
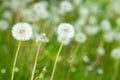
(89, 68)
(22, 31)
(65, 6)
(65, 30)
(7, 14)
(40, 9)
(80, 37)
(101, 51)
(92, 20)
(42, 38)
(3, 25)
(80, 22)
(105, 25)
(91, 30)
(85, 58)
(118, 21)
(16, 69)
(84, 12)
(100, 71)
(3, 70)
(77, 2)
(35, 30)
(117, 36)
(29, 15)
(109, 36)
(116, 53)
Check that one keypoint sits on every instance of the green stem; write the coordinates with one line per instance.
(116, 70)
(15, 59)
(35, 63)
(54, 67)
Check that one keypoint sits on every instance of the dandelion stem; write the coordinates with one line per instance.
(116, 70)
(54, 67)
(35, 63)
(15, 59)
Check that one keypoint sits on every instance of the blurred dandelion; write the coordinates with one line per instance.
(3, 70)
(21, 32)
(3, 25)
(65, 31)
(100, 71)
(115, 53)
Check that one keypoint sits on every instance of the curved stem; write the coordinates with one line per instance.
(15, 59)
(54, 67)
(35, 63)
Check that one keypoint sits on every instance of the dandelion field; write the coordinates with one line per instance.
(59, 40)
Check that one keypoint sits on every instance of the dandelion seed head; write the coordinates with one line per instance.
(105, 25)
(29, 15)
(3, 70)
(118, 21)
(3, 25)
(16, 69)
(65, 6)
(84, 12)
(117, 36)
(91, 30)
(65, 30)
(115, 53)
(80, 37)
(100, 71)
(100, 51)
(92, 20)
(109, 36)
(22, 31)
(85, 58)
(42, 38)
(40, 9)
(7, 15)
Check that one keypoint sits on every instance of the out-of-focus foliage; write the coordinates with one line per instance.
(93, 53)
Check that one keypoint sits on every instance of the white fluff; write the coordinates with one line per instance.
(22, 31)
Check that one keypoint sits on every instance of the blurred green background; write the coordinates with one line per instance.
(99, 20)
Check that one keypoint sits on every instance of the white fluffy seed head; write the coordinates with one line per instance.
(80, 37)
(85, 58)
(66, 6)
(22, 31)
(100, 51)
(106, 25)
(3, 25)
(116, 53)
(42, 38)
(100, 71)
(109, 36)
(91, 30)
(16, 69)
(117, 36)
(65, 30)
(3, 70)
